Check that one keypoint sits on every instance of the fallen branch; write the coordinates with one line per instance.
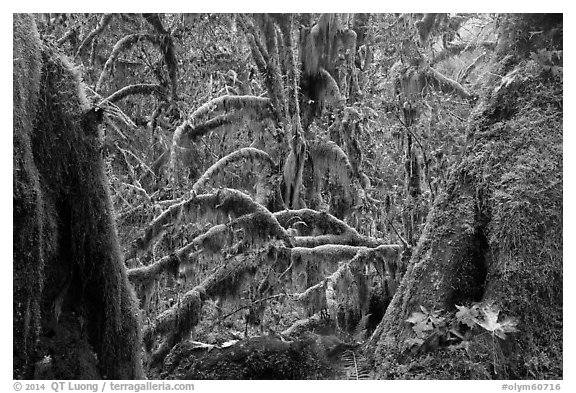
(301, 325)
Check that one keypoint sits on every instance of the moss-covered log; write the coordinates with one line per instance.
(71, 289)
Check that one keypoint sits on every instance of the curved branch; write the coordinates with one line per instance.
(456, 49)
(146, 274)
(327, 155)
(250, 153)
(121, 45)
(228, 102)
(468, 70)
(312, 221)
(446, 84)
(144, 88)
(154, 20)
(66, 37)
(229, 202)
(191, 129)
(104, 21)
(332, 90)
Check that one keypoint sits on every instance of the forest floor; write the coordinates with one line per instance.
(311, 356)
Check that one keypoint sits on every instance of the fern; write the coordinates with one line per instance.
(355, 367)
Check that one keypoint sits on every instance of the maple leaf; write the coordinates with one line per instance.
(467, 315)
(491, 324)
(421, 328)
(417, 317)
(414, 342)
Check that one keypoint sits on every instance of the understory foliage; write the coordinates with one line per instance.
(279, 175)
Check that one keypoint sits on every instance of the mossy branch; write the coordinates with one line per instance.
(266, 59)
(285, 23)
(446, 85)
(146, 274)
(167, 49)
(121, 45)
(320, 228)
(104, 21)
(301, 325)
(225, 202)
(248, 153)
(329, 291)
(258, 227)
(177, 322)
(457, 49)
(345, 239)
(273, 70)
(236, 108)
(465, 73)
(246, 107)
(308, 222)
(327, 156)
(196, 132)
(66, 37)
(333, 253)
(138, 89)
(154, 20)
(331, 90)
(228, 103)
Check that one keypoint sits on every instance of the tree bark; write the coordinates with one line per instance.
(494, 236)
(76, 314)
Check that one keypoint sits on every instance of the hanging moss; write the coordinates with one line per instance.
(85, 289)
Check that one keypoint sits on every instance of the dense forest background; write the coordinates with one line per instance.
(288, 196)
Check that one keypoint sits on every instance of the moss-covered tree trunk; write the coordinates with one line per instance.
(495, 235)
(75, 313)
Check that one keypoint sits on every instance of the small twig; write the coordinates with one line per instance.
(421, 148)
(404, 242)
